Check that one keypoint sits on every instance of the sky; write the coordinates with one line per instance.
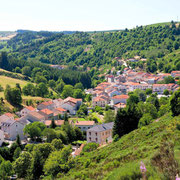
(85, 15)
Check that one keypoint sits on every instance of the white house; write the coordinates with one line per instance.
(71, 104)
(12, 128)
(26, 110)
(1, 137)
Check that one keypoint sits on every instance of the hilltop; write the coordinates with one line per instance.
(157, 145)
(96, 49)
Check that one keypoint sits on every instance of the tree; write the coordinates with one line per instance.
(50, 134)
(52, 83)
(88, 97)
(17, 70)
(60, 86)
(22, 165)
(58, 162)
(26, 70)
(4, 63)
(57, 143)
(6, 170)
(53, 124)
(66, 117)
(82, 111)
(109, 116)
(19, 87)
(29, 89)
(169, 79)
(145, 120)
(13, 95)
(141, 94)
(67, 91)
(120, 123)
(40, 154)
(78, 93)
(166, 92)
(148, 91)
(154, 100)
(175, 103)
(18, 141)
(34, 130)
(40, 79)
(41, 90)
(132, 99)
(79, 134)
(163, 110)
(79, 86)
(17, 152)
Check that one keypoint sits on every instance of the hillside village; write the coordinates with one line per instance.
(113, 92)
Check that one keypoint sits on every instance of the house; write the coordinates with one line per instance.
(12, 128)
(71, 105)
(57, 102)
(46, 105)
(120, 79)
(6, 116)
(159, 88)
(119, 99)
(118, 106)
(100, 134)
(59, 111)
(99, 101)
(32, 117)
(83, 125)
(58, 123)
(113, 93)
(47, 113)
(110, 78)
(175, 74)
(26, 110)
(1, 137)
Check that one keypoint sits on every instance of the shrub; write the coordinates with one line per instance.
(90, 147)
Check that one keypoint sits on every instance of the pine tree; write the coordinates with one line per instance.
(53, 124)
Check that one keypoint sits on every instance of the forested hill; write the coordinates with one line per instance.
(154, 42)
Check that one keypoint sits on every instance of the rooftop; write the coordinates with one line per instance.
(46, 111)
(102, 127)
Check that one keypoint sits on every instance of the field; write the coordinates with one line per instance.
(12, 82)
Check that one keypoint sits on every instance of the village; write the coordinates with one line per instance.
(113, 92)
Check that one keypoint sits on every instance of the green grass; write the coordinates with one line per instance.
(77, 119)
(121, 159)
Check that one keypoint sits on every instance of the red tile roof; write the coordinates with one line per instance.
(30, 108)
(9, 114)
(57, 122)
(46, 111)
(97, 99)
(47, 103)
(36, 114)
(61, 109)
(72, 100)
(123, 96)
(84, 123)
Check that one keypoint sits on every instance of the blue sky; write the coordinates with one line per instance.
(83, 15)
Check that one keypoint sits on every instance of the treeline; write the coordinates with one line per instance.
(41, 73)
(96, 49)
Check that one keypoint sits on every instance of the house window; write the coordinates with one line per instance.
(89, 133)
(96, 134)
(90, 138)
(96, 139)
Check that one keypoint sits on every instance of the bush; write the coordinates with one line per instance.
(90, 147)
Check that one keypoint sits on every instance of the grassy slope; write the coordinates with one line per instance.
(121, 159)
